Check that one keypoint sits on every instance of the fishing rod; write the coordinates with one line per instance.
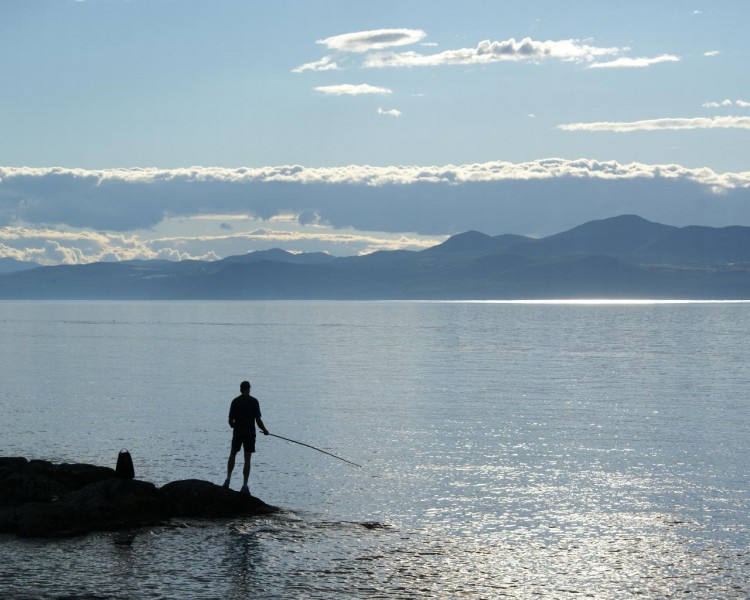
(314, 448)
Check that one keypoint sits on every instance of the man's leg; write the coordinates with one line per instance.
(246, 469)
(230, 466)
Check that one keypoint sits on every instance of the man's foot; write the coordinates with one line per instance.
(245, 490)
(226, 483)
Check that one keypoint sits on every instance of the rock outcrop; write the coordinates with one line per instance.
(42, 499)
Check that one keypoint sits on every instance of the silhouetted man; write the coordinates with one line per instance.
(244, 413)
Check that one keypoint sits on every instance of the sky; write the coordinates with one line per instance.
(182, 129)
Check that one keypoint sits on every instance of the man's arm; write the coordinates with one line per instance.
(262, 427)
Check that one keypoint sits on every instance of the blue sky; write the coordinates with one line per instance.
(197, 128)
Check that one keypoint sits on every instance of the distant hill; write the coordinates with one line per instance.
(475, 242)
(701, 244)
(11, 265)
(619, 236)
(621, 257)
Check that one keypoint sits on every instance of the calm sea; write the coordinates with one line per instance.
(522, 450)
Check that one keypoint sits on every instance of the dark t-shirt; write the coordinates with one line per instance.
(244, 410)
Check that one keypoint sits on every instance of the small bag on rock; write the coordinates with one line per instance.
(124, 468)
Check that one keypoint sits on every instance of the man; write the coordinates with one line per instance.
(244, 413)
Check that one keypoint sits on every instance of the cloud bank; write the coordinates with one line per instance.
(543, 196)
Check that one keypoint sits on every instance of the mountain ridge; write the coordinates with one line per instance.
(621, 257)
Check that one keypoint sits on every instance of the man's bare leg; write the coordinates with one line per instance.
(230, 468)
(246, 471)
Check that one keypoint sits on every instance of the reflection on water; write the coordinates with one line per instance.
(598, 554)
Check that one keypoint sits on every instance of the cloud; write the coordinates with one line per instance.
(324, 64)
(725, 103)
(351, 242)
(714, 104)
(662, 124)
(711, 53)
(634, 63)
(391, 112)
(130, 212)
(348, 89)
(51, 247)
(490, 52)
(377, 39)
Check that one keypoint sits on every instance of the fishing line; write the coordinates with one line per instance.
(314, 448)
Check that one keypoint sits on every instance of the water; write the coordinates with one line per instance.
(508, 450)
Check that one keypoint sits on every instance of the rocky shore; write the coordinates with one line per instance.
(43, 499)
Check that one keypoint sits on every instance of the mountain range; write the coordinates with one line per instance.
(621, 257)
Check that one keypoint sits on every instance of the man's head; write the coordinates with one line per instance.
(245, 387)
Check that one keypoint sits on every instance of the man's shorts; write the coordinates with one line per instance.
(246, 439)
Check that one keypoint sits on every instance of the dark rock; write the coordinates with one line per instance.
(41, 499)
(202, 499)
(105, 505)
(23, 481)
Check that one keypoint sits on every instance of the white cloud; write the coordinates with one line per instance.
(377, 39)
(391, 112)
(662, 124)
(726, 103)
(489, 52)
(714, 104)
(626, 62)
(711, 53)
(348, 89)
(324, 64)
(16, 182)
(312, 239)
(51, 247)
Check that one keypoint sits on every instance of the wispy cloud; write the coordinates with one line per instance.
(498, 51)
(348, 89)
(626, 62)
(711, 53)
(48, 246)
(714, 104)
(662, 124)
(390, 112)
(377, 39)
(726, 103)
(324, 64)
